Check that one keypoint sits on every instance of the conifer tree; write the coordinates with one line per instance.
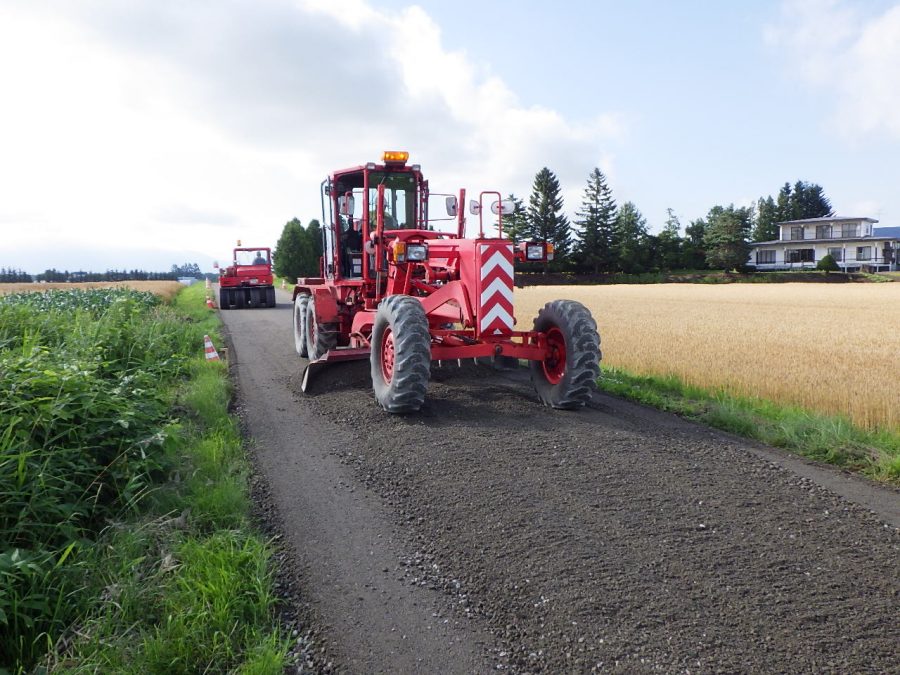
(546, 222)
(630, 239)
(670, 243)
(594, 252)
(293, 251)
(515, 224)
(726, 237)
(765, 228)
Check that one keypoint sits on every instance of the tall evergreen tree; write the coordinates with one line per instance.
(783, 206)
(630, 239)
(764, 228)
(594, 252)
(809, 201)
(293, 252)
(670, 243)
(515, 224)
(726, 237)
(798, 202)
(314, 232)
(546, 221)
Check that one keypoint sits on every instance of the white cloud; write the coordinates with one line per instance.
(853, 55)
(184, 126)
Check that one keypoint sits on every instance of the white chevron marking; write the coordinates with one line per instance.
(497, 312)
(498, 285)
(497, 260)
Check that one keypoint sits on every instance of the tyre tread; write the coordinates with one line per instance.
(582, 355)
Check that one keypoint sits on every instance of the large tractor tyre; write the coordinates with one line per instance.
(270, 297)
(568, 374)
(224, 300)
(319, 338)
(401, 354)
(254, 298)
(239, 297)
(300, 303)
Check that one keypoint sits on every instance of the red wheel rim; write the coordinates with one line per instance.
(555, 361)
(387, 355)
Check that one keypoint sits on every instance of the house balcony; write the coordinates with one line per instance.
(874, 264)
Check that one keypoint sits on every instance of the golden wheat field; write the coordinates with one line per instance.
(165, 289)
(834, 348)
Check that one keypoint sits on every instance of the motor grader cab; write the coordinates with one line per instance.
(401, 285)
(248, 281)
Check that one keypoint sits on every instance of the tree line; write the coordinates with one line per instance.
(53, 275)
(608, 239)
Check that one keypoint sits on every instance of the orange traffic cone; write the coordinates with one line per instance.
(211, 353)
(210, 304)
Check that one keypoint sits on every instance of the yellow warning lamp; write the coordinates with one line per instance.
(395, 157)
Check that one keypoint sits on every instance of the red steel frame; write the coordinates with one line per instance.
(448, 283)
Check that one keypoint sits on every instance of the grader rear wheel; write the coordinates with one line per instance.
(401, 354)
(569, 371)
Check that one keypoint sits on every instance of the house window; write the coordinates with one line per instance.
(836, 253)
(849, 230)
(823, 231)
(799, 255)
(796, 233)
(765, 257)
(863, 252)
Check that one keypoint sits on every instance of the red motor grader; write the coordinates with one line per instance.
(248, 281)
(402, 288)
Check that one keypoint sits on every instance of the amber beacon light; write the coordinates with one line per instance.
(395, 157)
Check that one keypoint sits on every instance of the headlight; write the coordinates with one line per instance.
(534, 252)
(416, 252)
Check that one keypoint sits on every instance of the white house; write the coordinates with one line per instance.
(854, 243)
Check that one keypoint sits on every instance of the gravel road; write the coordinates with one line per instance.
(489, 533)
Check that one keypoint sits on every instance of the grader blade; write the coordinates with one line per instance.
(338, 369)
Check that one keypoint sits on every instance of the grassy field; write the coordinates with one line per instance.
(831, 348)
(165, 289)
(126, 544)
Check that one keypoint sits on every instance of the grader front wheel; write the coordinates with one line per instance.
(568, 373)
(300, 303)
(320, 338)
(401, 354)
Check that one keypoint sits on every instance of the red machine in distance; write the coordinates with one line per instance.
(402, 288)
(248, 281)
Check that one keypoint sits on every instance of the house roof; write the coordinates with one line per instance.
(886, 231)
(826, 219)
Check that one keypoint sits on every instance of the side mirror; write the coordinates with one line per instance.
(345, 205)
(452, 206)
(474, 207)
(506, 207)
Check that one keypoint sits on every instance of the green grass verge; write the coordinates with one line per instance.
(125, 537)
(826, 438)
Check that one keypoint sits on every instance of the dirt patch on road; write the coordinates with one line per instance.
(617, 538)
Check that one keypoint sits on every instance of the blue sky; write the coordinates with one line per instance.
(150, 132)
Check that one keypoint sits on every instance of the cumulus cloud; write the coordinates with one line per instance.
(343, 80)
(163, 123)
(850, 53)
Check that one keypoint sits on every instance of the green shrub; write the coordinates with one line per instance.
(828, 264)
